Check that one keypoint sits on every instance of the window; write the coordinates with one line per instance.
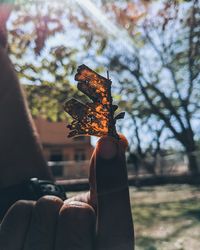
(79, 138)
(79, 155)
(57, 169)
(66, 158)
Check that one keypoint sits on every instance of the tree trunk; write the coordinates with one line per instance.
(192, 162)
(190, 148)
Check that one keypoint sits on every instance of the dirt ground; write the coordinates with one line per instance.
(166, 217)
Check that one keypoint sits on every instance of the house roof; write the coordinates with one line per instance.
(54, 132)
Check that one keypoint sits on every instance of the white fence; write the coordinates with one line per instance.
(161, 165)
(164, 165)
(70, 169)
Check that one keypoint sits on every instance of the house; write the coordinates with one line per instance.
(68, 157)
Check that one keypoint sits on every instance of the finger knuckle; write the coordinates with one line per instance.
(77, 210)
(22, 205)
(49, 203)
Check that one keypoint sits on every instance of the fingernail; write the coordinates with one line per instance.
(107, 147)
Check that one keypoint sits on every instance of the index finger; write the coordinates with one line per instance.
(110, 195)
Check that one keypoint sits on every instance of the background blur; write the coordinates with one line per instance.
(152, 52)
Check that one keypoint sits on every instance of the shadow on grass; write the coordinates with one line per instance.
(152, 243)
(195, 213)
(147, 243)
(182, 215)
(148, 214)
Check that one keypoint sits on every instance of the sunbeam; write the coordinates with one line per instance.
(111, 29)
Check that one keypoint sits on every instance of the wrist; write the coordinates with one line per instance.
(3, 37)
(32, 189)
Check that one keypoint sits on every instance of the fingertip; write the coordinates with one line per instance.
(48, 204)
(107, 147)
(15, 225)
(76, 226)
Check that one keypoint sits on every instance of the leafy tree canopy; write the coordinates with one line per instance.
(150, 47)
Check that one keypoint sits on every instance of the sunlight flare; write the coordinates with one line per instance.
(112, 30)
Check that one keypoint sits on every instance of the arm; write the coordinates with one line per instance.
(20, 150)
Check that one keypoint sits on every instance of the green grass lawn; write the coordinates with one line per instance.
(166, 217)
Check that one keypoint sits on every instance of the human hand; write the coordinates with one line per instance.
(100, 219)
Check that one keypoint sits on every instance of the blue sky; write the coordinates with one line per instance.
(117, 37)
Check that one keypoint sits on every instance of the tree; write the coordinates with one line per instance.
(173, 56)
(44, 67)
(159, 77)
